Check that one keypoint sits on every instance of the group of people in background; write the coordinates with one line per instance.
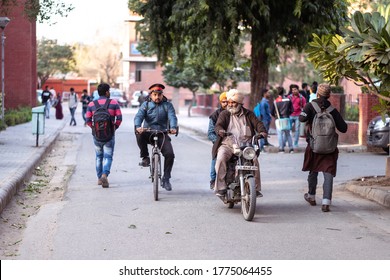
(282, 105)
(50, 98)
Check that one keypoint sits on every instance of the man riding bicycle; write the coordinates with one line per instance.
(156, 113)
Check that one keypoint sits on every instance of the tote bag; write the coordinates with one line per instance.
(282, 123)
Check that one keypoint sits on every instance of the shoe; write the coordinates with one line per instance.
(166, 185)
(104, 181)
(221, 192)
(100, 182)
(145, 162)
(281, 151)
(311, 201)
(259, 194)
(212, 184)
(291, 151)
(325, 208)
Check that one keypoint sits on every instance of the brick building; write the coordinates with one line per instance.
(20, 59)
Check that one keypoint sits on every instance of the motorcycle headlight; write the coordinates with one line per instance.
(249, 153)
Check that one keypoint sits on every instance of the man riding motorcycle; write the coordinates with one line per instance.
(242, 124)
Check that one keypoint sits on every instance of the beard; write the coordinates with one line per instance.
(234, 110)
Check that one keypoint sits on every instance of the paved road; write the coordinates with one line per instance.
(123, 222)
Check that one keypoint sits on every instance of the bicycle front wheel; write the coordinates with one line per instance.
(156, 178)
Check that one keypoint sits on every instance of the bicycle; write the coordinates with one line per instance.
(155, 163)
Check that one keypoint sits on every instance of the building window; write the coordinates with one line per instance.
(138, 75)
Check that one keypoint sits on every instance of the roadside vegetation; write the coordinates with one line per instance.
(16, 116)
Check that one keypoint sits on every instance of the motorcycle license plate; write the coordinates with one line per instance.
(246, 167)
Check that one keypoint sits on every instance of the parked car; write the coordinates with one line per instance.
(378, 133)
(116, 94)
(135, 101)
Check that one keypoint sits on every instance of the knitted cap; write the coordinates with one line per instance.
(323, 90)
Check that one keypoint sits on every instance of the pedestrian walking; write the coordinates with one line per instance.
(298, 102)
(85, 99)
(72, 106)
(103, 130)
(325, 162)
(46, 101)
(281, 111)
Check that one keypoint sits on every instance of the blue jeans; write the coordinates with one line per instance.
(72, 120)
(47, 109)
(213, 174)
(295, 120)
(104, 153)
(283, 136)
(262, 140)
(83, 114)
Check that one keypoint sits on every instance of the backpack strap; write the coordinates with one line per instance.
(316, 107)
(108, 100)
(106, 104)
(97, 105)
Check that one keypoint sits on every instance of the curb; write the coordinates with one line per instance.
(375, 193)
(16, 180)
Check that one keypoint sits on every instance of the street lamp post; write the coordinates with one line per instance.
(3, 23)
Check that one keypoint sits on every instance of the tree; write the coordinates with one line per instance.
(215, 28)
(190, 74)
(53, 59)
(102, 59)
(361, 55)
(41, 10)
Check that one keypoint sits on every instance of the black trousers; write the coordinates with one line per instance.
(165, 146)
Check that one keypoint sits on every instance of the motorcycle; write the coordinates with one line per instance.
(240, 177)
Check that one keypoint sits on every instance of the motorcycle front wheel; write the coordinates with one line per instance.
(248, 199)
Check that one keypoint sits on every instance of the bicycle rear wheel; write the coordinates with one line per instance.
(156, 178)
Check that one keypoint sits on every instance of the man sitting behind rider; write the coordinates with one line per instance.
(156, 113)
(243, 124)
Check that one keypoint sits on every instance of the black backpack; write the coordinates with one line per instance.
(102, 126)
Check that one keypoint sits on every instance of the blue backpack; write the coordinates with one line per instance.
(257, 111)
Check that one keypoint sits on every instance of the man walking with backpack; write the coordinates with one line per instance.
(321, 153)
(104, 116)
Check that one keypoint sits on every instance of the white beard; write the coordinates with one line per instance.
(234, 110)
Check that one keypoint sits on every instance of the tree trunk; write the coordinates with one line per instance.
(192, 102)
(259, 69)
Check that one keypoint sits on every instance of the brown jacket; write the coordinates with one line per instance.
(223, 123)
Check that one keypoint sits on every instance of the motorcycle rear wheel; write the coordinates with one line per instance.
(155, 176)
(248, 199)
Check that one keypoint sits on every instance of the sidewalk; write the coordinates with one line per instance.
(20, 156)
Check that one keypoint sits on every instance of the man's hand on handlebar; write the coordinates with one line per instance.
(140, 129)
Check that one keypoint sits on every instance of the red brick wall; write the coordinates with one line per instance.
(366, 102)
(351, 136)
(20, 63)
(338, 101)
